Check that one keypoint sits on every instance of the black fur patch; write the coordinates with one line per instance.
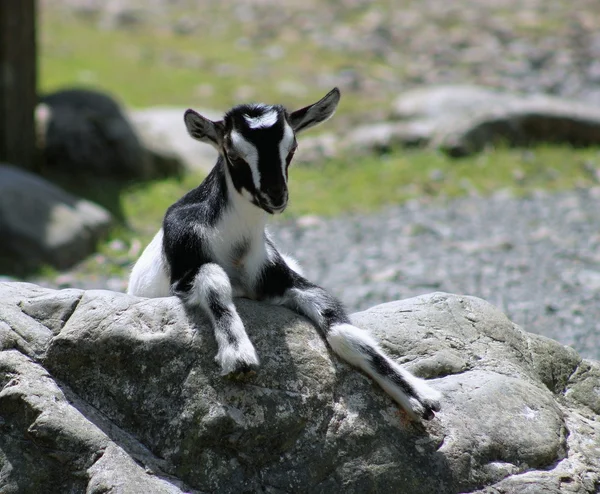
(380, 365)
(183, 245)
(276, 278)
(222, 315)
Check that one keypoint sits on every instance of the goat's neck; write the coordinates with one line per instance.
(242, 210)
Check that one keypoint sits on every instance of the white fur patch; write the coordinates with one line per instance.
(285, 146)
(308, 302)
(242, 223)
(293, 264)
(150, 276)
(211, 279)
(346, 340)
(246, 194)
(267, 119)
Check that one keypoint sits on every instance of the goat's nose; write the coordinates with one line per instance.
(277, 195)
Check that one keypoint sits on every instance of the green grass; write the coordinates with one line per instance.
(370, 183)
(157, 67)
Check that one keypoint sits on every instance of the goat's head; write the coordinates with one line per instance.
(257, 143)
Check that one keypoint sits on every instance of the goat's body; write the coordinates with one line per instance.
(231, 237)
(213, 246)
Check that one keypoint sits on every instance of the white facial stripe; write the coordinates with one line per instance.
(267, 119)
(285, 145)
(248, 151)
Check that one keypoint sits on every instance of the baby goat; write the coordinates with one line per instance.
(213, 246)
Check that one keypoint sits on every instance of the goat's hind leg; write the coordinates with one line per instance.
(352, 344)
(357, 347)
(211, 290)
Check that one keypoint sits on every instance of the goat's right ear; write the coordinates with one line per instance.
(202, 129)
(318, 112)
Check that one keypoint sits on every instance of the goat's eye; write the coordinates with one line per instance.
(235, 158)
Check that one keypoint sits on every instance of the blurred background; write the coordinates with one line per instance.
(465, 154)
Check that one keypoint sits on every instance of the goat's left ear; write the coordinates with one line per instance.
(202, 129)
(312, 115)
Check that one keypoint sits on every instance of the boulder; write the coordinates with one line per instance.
(107, 392)
(522, 122)
(383, 136)
(42, 224)
(85, 133)
(162, 132)
(314, 149)
(440, 102)
(463, 120)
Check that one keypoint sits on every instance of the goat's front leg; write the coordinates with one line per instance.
(210, 290)
(352, 344)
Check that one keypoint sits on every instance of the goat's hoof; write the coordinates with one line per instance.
(412, 416)
(423, 408)
(241, 370)
(237, 364)
(429, 407)
(428, 413)
(242, 373)
(431, 404)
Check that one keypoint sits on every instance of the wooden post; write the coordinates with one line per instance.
(17, 82)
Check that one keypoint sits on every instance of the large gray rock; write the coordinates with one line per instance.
(462, 120)
(107, 391)
(162, 132)
(42, 224)
(383, 136)
(85, 133)
(434, 102)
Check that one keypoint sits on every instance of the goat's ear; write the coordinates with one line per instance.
(312, 115)
(203, 129)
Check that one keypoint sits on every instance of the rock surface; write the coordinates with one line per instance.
(163, 133)
(464, 119)
(40, 223)
(103, 391)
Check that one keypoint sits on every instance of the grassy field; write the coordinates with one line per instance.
(368, 183)
(144, 68)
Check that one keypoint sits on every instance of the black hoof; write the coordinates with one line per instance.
(429, 412)
(241, 372)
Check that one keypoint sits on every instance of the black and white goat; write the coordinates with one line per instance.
(213, 247)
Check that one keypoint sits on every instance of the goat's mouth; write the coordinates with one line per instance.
(273, 208)
(273, 205)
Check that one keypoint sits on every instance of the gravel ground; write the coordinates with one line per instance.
(538, 259)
